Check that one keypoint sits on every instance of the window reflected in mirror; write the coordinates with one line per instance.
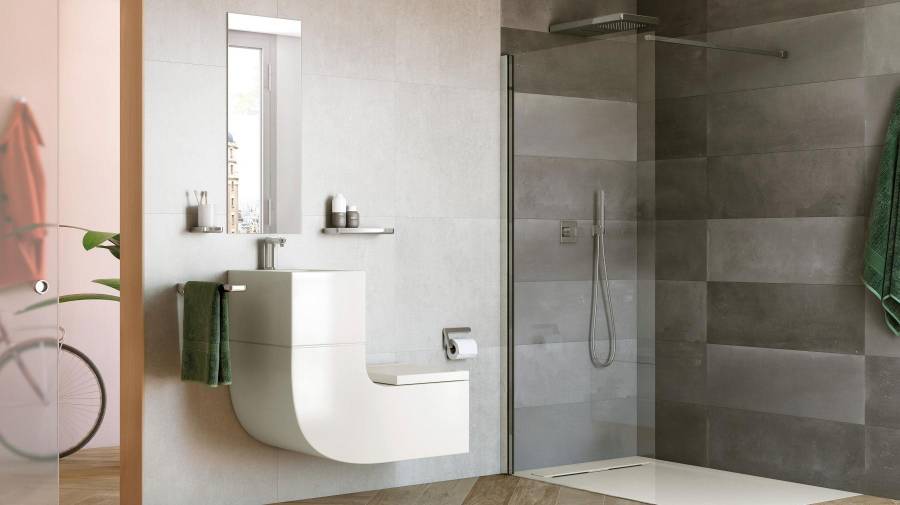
(264, 118)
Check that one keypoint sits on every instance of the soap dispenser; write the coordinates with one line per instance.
(339, 211)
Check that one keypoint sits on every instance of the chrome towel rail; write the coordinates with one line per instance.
(231, 288)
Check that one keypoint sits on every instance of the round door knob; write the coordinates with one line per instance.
(41, 287)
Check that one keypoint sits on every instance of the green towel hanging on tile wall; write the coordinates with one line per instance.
(881, 271)
(205, 355)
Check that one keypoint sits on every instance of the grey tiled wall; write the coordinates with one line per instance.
(772, 359)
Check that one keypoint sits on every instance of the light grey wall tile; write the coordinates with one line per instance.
(681, 250)
(566, 434)
(446, 147)
(883, 391)
(681, 371)
(809, 451)
(803, 317)
(540, 14)
(568, 127)
(184, 135)
(680, 71)
(686, 17)
(681, 311)
(346, 38)
(603, 69)
(807, 384)
(619, 379)
(826, 250)
(454, 265)
(880, 340)
(681, 125)
(552, 374)
(881, 99)
(540, 257)
(255, 7)
(882, 39)
(681, 189)
(559, 311)
(349, 144)
(808, 116)
(564, 188)
(731, 13)
(185, 32)
(826, 182)
(822, 48)
(448, 43)
(681, 433)
(882, 461)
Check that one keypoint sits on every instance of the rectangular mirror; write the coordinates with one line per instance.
(264, 125)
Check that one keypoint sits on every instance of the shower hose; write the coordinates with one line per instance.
(599, 266)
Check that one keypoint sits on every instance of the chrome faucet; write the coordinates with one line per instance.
(267, 251)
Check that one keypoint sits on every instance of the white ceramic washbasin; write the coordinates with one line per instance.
(300, 381)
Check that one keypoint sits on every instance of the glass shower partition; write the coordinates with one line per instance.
(29, 330)
(580, 157)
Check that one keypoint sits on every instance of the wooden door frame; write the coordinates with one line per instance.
(131, 210)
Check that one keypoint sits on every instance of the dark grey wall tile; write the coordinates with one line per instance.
(604, 69)
(731, 13)
(681, 127)
(881, 96)
(515, 41)
(680, 71)
(563, 188)
(814, 250)
(684, 17)
(540, 257)
(880, 341)
(805, 317)
(540, 14)
(681, 250)
(883, 391)
(681, 433)
(822, 48)
(810, 451)
(681, 189)
(681, 311)
(882, 39)
(681, 371)
(559, 311)
(808, 384)
(791, 118)
(825, 182)
(569, 127)
(882, 462)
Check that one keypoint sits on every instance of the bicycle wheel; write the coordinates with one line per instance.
(82, 400)
(28, 372)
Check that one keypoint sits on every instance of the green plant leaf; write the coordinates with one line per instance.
(94, 238)
(69, 298)
(110, 283)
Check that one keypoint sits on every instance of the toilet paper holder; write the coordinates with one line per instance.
(446, 333)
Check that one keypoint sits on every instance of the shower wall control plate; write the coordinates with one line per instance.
(568, 232)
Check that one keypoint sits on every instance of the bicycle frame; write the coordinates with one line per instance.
(29, 377)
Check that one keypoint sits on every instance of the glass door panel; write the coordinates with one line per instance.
(29, 331)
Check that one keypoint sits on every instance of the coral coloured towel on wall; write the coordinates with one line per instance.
(22, 200)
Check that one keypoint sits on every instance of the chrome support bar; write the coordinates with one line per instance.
(230, 288)
(709, 45)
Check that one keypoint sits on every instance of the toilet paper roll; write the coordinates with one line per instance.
(462, 348)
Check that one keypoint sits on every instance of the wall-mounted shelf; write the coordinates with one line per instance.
(206, 229)
(358, 231)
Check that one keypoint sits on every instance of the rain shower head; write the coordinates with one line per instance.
(604, 25)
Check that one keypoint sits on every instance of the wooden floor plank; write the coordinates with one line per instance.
(532, 492)
(492, 490)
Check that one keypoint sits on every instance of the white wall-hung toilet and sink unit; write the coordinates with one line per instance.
(300, 379)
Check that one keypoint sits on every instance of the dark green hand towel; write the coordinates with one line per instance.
(881, 272)
(205, 356)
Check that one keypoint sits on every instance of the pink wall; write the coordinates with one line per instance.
(89, 184)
